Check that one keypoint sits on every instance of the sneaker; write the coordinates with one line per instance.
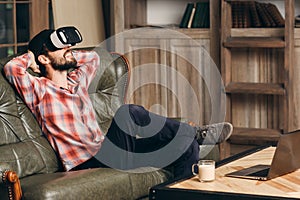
(214, 133)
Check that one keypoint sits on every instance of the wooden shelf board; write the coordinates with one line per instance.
(255, 88)
(195, 33)
(257, 32)
(255, 135)
(262, 32)
(254, 42)
(159, 33)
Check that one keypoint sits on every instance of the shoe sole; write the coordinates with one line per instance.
(230, 128)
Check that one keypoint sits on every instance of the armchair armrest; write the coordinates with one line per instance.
(11, 180)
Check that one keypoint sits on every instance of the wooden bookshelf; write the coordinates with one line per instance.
(259, 61)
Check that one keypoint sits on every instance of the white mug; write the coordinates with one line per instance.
(206, 170)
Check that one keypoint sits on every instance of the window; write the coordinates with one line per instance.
(19, 21)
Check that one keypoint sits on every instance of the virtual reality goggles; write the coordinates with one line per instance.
(65, 37)
(54, 39)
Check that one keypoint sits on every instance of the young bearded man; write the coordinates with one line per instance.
(60, 102)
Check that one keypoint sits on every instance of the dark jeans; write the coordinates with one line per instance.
(139, 138)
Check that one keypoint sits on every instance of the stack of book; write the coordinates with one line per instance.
(246, 14)
(196, 15)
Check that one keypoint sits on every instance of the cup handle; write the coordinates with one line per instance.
(193, 169)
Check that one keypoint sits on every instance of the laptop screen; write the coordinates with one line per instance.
(286, 158)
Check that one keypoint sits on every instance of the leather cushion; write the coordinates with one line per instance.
(101, 183)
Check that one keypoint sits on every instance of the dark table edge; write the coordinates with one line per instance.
(160, 191)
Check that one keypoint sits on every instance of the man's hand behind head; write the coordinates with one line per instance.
(34, 67)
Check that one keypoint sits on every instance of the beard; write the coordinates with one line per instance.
(62, 64)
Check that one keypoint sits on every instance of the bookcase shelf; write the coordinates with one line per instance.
(257, 32)
(255, 88)
(254, 42)
(195, 32)
(268, 59)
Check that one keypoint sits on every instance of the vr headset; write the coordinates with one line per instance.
(65, 37)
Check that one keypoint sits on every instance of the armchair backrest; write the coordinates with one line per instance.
(109, 87)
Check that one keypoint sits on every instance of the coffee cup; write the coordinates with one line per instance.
(205, 170)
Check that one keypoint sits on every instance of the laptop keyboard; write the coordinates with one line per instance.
(261, 173)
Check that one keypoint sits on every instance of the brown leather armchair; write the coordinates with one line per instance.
(29, 166)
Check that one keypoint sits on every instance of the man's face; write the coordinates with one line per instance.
(62, 59)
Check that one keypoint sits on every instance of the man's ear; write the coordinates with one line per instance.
(43, 59)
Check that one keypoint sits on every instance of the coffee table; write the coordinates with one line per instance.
(284, 187)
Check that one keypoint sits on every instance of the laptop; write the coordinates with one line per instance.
(285, 160)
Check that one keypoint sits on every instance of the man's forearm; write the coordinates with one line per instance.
(17, 66)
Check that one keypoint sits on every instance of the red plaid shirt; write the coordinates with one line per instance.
(66, 116)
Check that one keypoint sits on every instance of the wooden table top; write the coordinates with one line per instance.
(284, 186)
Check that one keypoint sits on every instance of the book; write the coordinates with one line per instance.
(247, 14)
(191, 18)
(263, 16)
(234, 14)
(186, 15)
(205, 18)
(241, 14)
(255, 21)
(276, 15)
(199, 14)
(246, 20)
(268, 14)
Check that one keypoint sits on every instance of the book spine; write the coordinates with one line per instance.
(205, 19)
(276, 15)
(255, 21)
(191, 18)
(262, 14)
(186, 16)
(241, 14)
(234, 14)
(246, 16)
(269, 16)
(199, 14)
